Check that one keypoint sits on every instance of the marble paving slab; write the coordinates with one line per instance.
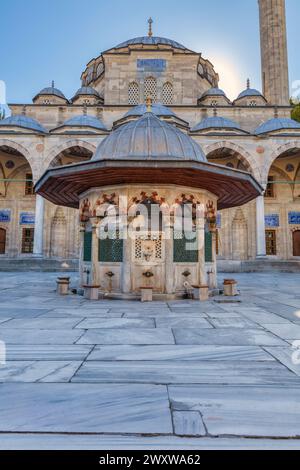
(127, 336)
(21, 312)
(130, 442)
(178, 352)
(41, 323)
(38, 371)
(230, 314)
(243, 411)
(226, 337)
(188, 423)
(30, 336)
(167, 372)
(166, 315)
(80, 313)
(288, 356)
(180, 322)
(285, 331)
(30, 352)
(233, 323)
(116, 323)
(263, 317)
(284, 311)
(84, 408)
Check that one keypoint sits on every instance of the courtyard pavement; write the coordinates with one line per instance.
(162, 375)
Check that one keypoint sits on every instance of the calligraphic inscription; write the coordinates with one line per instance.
(151, 65)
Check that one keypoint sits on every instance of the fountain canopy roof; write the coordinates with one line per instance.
(149, 138)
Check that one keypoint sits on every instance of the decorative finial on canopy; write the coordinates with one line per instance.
(215, 111)
(150, 22)
(84, 109)
(52, 84)
(248, 83)
(276, 112)
(24, 110)
(149, 104)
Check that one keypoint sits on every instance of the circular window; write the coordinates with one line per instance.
(9, 164)
(290, 168)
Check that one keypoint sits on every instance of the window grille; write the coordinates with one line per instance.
(133, 93)
(150, 88)
(167, 93)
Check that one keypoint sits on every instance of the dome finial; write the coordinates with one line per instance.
(248, 83)
(276, 112)
(215, 111)
(149, 104)
(84, 110)
(52, 84)
(150, 22)
(24, 110)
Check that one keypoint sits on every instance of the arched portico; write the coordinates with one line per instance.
(17, 199)
(282, 201)
(61, 223)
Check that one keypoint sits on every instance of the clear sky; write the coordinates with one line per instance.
(44, 40)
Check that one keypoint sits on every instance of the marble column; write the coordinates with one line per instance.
(39, 226)
(169, 265)
(260, 227)
(95, 274)
(213, 279)
(126, 264)
(200, 227)
(81, 253)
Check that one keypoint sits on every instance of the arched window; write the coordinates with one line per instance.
(133, 93)
(150, 88)
(167, 93)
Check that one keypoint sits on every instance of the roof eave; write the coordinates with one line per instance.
(63, 185)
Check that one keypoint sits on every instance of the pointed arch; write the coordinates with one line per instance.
(23, 151)
(239, 235)
(277, 153)
(248, 160)
(54, 153)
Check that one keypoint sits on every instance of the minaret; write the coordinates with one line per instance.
(274, 59)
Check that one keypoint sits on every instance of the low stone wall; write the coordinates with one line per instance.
(38, 264)
(260, 265)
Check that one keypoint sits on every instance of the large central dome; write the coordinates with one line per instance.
(151, 41)
(149, 138)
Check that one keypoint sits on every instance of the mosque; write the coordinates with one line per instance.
(146, 100)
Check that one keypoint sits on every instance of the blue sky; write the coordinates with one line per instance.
(54, 39)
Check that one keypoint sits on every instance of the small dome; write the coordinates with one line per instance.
(21, 120)
(51, 90)
(149, 138)
(157, 108)
(277, 124)
(213, 92)
(86, 90)
(84, 120)
(216, 122)
(150, 41)
(249, 92)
